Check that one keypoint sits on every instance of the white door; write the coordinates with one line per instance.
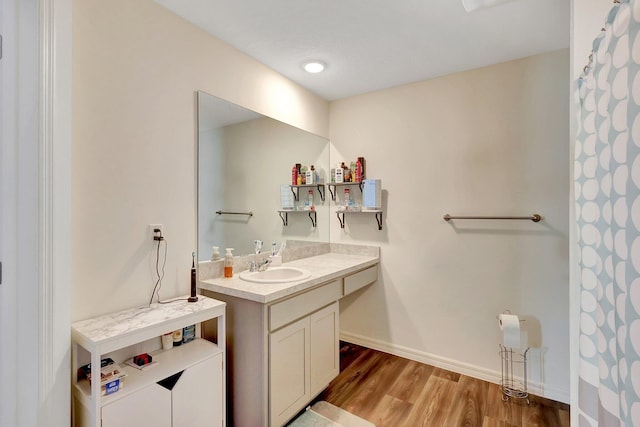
(8, 385)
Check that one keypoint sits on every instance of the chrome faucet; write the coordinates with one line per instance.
(254, 265)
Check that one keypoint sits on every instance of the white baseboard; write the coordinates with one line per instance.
(468, 369)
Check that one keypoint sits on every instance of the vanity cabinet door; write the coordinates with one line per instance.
(289, 374)
(324, 348)
(197, 396)
(150, 406)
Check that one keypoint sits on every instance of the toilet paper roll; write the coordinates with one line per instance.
(510, 327)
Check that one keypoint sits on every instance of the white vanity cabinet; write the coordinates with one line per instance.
(284, 352)
(186, 386)
(303, 359)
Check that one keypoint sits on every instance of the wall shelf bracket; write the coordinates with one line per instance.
(284, 215)
(285, 218)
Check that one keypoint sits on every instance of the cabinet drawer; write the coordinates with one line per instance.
(294, 308)
(360, 279)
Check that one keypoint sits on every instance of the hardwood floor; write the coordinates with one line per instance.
(391, 391)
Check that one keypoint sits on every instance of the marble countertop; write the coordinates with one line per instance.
(121, 325)
(323, 268)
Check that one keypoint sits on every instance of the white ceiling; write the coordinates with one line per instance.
(376, 44)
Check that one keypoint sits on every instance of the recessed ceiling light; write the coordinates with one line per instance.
(314, 66)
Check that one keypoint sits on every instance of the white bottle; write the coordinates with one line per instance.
(339, 177)
(310, 198)
(310, 176)
(347, 197)
(215, 256)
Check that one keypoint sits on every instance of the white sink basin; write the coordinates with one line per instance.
(275, 275)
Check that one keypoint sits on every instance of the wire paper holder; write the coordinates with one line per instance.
(510, 386)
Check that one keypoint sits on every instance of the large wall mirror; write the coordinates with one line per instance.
(244, 159)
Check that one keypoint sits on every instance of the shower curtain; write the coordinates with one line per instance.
(607, 196)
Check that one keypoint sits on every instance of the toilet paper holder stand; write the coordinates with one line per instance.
(511, 385)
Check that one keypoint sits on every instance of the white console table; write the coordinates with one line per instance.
(105, 334)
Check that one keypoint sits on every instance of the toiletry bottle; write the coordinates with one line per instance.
(347, 197)
(310, 175)
(215, 256)
(177, 337)
(228, 263)
(364, 169)
(310, 198)
(339, 176)
(358, 171)
(294, 175)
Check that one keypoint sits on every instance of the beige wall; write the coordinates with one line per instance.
(135, 69)
(483, 142)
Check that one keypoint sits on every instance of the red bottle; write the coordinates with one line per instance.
(294, 175)
(358, 171)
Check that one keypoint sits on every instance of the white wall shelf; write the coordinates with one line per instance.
(115, 331)
(338, 184)
(284, 215)
(378, 213)
(296, 188)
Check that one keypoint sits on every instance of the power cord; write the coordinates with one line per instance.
(160, 273)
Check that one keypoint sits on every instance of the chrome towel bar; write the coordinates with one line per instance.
(234, 213)
(534, 217)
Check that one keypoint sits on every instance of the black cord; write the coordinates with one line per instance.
(173, 300)
(158, 284)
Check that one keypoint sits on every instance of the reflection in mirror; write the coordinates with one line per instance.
(243, 160)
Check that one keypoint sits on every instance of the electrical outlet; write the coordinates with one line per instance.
(154, 233)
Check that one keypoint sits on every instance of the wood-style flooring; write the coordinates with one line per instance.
(392, 391)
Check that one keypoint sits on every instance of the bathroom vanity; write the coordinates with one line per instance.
(283, 338)
(186, 386)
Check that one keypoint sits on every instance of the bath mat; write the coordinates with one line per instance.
(324, 414)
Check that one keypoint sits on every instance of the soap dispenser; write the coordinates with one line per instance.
(228, 263)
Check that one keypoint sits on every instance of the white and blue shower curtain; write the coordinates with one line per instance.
(607, 195)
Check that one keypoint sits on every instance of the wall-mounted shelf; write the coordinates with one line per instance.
(339, 184)
(295, 189)
(284, 215)
(377, 212)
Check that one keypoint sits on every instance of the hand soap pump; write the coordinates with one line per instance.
(193, 297)
(228, 263)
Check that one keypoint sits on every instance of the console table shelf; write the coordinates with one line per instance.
(108, 333)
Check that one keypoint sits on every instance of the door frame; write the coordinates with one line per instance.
(36, 212)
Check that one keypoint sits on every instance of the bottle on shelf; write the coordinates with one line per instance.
(347, 197)
(339, 175)
(362, 166)
(310, 199)
(294, 175)
(228, 263)
(358, 171)
(310, 176)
